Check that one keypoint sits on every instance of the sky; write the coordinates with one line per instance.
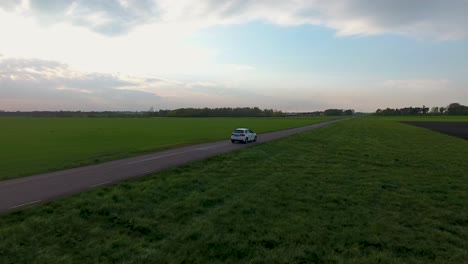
(289, 55)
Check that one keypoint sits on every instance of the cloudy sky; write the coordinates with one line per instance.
(292, 55)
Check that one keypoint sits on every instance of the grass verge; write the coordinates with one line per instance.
(366, 190)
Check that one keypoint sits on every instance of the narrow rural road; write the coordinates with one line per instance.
(25, 191)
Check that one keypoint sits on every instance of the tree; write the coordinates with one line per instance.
(453, 108)
(424, 109)
(333, 112)
(457, 109)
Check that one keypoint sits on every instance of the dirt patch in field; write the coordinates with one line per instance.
(457, 129)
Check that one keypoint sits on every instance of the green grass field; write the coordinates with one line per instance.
(35, 145)
(367, 190)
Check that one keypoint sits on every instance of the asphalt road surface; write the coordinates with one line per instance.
(17, 193)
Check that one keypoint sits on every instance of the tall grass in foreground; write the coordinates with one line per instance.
(365, 190)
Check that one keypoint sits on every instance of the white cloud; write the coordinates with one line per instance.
(38, 83)
(64, 88)
(155, 48)
(141, 37)
(436, 19)
(112, 17)
(34, 84)
(108, 43)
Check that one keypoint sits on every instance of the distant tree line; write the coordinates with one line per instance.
(217, 112)
(452, 109)
(71, 114)
(181, 112)
(328, 112)
(338, 112)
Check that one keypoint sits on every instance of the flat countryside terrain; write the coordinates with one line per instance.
(428, 118)
(366, 190)
(36, 145)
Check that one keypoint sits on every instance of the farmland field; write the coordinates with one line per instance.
(450, 125)
(367, 190)
(456, 129)
(35, 145)
(427, 118)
